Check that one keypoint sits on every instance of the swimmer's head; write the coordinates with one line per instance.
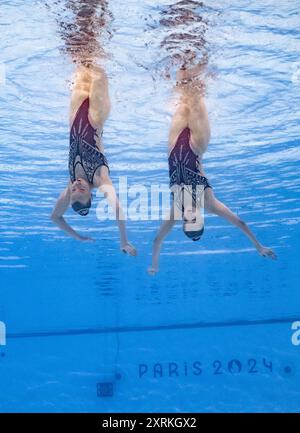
(81, 197)
(193, 225)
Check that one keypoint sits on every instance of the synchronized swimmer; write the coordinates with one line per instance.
(189, 136)
(88, 166)
(188, 141)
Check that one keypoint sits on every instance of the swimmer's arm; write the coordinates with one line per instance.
(165, 228)
(218, 208)
(107, 188)
(57, 218)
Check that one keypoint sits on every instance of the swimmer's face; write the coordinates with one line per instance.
(190, 214)
(80, 195)
(192, 223)
(192, 217)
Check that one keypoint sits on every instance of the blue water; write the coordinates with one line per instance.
(81, 315)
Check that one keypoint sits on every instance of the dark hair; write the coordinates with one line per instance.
(82, 208)
(195, 235)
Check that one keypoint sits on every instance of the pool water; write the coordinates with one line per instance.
(87, 328)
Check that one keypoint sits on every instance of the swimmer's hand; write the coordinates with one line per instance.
(152, 270)
(266, 252)
(127, 248)
(85, 239)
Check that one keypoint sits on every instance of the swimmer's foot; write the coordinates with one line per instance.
(192, 71)
(129, 249)
(193, 75)
(96, 71)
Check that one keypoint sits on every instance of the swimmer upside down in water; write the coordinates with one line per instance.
(188, 141)
(88, 167)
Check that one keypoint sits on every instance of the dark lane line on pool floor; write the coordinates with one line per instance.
(125, 329)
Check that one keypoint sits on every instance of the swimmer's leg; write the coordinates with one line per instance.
(192, 89)
(80, 89)
(199, 123)
(180, 121)
(99, 96)
(191, 111)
